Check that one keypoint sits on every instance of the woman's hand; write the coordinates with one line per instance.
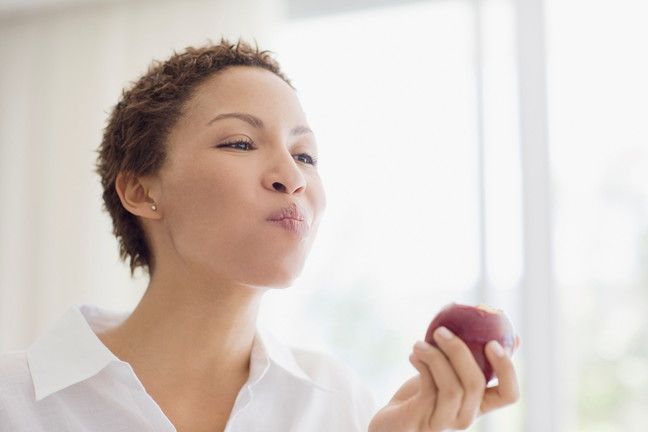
(450, 390)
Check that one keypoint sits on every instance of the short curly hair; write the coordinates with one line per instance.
(138, 126)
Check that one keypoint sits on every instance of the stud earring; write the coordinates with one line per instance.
(154, 207)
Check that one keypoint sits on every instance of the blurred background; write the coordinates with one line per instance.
(495, 151)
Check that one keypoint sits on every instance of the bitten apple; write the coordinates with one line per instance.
(476, 326)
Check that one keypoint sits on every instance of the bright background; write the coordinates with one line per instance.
(472, 150)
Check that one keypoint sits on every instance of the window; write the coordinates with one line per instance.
(599, 146)
(396, 110)
(418, 126)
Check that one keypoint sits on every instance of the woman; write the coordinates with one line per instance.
(209, 172)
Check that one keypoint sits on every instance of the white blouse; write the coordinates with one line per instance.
(68, 380)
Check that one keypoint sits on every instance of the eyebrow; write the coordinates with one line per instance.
(257, 122)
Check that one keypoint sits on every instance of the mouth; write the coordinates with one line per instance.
(299, 227)
(291, 219)
(288, 212)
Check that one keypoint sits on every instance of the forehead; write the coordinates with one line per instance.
(244, 89)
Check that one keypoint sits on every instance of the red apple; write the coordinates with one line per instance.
(476, 326)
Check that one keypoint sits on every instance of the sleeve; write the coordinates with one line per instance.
(363, 400)
(365, 405)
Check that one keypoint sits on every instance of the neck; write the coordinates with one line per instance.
(188, 336)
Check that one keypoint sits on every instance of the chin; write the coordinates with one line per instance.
(282, 280)
(276, 277)
(280, 285)
(271, 283)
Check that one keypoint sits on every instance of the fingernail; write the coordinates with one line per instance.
(422, 346)
(496, 348)
(444, 333)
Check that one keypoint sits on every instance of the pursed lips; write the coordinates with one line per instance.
(291, 219)
(287, 212)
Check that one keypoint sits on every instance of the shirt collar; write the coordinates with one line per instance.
(70, 352)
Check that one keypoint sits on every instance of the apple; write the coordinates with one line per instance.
(476, 326)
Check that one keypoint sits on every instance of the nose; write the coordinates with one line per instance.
(284, 175)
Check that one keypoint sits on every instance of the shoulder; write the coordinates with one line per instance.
(332, 372)
(14, 373)
(16, 390)
(326, 368)
(323, 368)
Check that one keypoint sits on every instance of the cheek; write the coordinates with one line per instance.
(317, 200)
(217, 222)
(209, 211)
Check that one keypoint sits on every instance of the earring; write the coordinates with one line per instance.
(153, 207)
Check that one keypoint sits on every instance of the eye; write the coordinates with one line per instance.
(246, 145)
(237, 143)
(310, 159)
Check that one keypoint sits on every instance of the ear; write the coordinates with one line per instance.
(136, 196)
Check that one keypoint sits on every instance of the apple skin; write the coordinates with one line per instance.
(476, 326)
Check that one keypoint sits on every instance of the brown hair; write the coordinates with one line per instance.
(138, 126)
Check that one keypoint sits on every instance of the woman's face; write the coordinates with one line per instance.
(226, 174)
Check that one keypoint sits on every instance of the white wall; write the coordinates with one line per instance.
(63, 68)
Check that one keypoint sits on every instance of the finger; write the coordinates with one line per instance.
(467, 370)
(428, 388)
(425, 403)
(408, 389)
(450, 392)
(507, 391)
